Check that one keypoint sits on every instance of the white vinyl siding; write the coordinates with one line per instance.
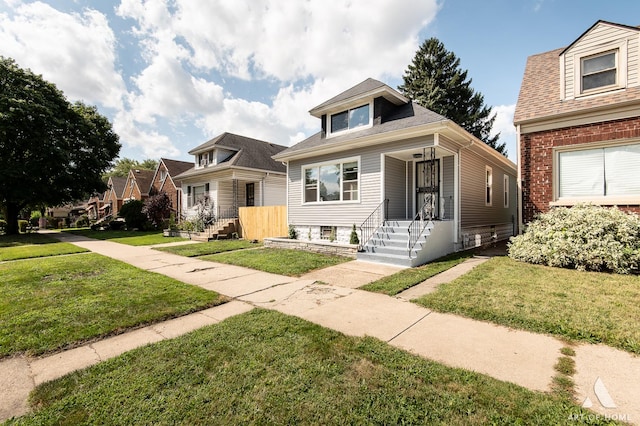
(599, 172)
(473, 208)
(343, 213)
(395, 187)
(601, 39)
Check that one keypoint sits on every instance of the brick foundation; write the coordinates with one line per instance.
(536, 158)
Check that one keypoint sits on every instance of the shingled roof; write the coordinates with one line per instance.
(175, 167)
(539, 96)
(368, 86)
(404, 117)
(143, 178)
(117, 185)
(250, 153)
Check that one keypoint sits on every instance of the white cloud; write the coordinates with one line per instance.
(75, 51)
(294, 40)
(150, 142)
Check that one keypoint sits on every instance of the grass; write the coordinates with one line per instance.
(132, 238)
(26, 246)
(54, 303)
(212, 247)
(400, 281)
(263, 367)
(587, 306)
(292, 263)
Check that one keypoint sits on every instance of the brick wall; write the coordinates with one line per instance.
(167, 186)
(536, 158)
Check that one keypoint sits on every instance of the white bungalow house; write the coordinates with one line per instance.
(416, 185)
(233, 171)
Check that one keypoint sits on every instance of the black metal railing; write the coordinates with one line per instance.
(373, 222)
(420, 221)
(222, 217)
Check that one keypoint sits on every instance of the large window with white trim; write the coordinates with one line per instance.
(334, 181)
(610, 171)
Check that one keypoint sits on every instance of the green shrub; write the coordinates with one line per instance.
(22, 226)
(3, 225)
(584, 237)
(133, 214)
(293, 234)
(353, 238)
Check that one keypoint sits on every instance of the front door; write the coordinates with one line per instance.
(428, 188)
(250, 193)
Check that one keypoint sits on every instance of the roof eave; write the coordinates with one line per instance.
(385, 91)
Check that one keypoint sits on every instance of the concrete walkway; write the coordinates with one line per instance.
(330, 298)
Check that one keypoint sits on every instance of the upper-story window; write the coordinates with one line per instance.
(599, 71)
(204, 159)
(350, 119)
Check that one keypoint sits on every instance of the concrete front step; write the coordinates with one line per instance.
(392, 259)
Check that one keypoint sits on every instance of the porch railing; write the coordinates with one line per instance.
(222, 217)
(374, 221)
(420, 221)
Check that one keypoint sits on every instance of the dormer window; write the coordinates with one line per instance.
(351, 119)
(598, 71)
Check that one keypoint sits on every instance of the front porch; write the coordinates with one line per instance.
(418, 219)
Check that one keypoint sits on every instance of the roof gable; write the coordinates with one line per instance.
(592, 28)
(117, 185)
(550, 85)
(366, 90)
(142, 178)
(248, 153)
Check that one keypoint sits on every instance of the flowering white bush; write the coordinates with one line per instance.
(584, 237)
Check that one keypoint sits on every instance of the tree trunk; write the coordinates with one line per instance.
(12, 219)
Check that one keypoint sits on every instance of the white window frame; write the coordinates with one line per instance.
(341, 162)
(505, 190)
(488, 186)
(606, 200)
(349, 130)
(620, 50)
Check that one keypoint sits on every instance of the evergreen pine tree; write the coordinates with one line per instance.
(435, 81)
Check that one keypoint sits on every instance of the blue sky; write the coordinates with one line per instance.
(171, 74)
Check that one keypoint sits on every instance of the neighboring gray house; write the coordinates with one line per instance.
(233, 171)
(416, 185)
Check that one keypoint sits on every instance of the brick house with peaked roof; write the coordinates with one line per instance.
(138, 185)
(113, 195)
(163, 181)
(578, 123)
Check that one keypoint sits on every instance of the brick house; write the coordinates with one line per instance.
(163, 181)
(138, 185)
(578, 123)
(113, 196)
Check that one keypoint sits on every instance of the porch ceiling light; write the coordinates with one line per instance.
(417, 155)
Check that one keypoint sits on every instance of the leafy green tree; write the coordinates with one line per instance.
(435, 80)
(133, 214)
(122, 166)
(51, 151)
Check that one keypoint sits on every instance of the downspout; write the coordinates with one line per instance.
(519, 206)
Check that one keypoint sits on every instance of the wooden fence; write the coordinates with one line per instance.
(258, 223)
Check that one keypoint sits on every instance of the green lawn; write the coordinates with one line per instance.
(400, 281)
(292, 263)
(590, 306)
(25, 246)
(132, 238)
(51, 303)
(263, 367)
(212, 247)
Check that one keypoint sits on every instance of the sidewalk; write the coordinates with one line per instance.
(330, 298)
